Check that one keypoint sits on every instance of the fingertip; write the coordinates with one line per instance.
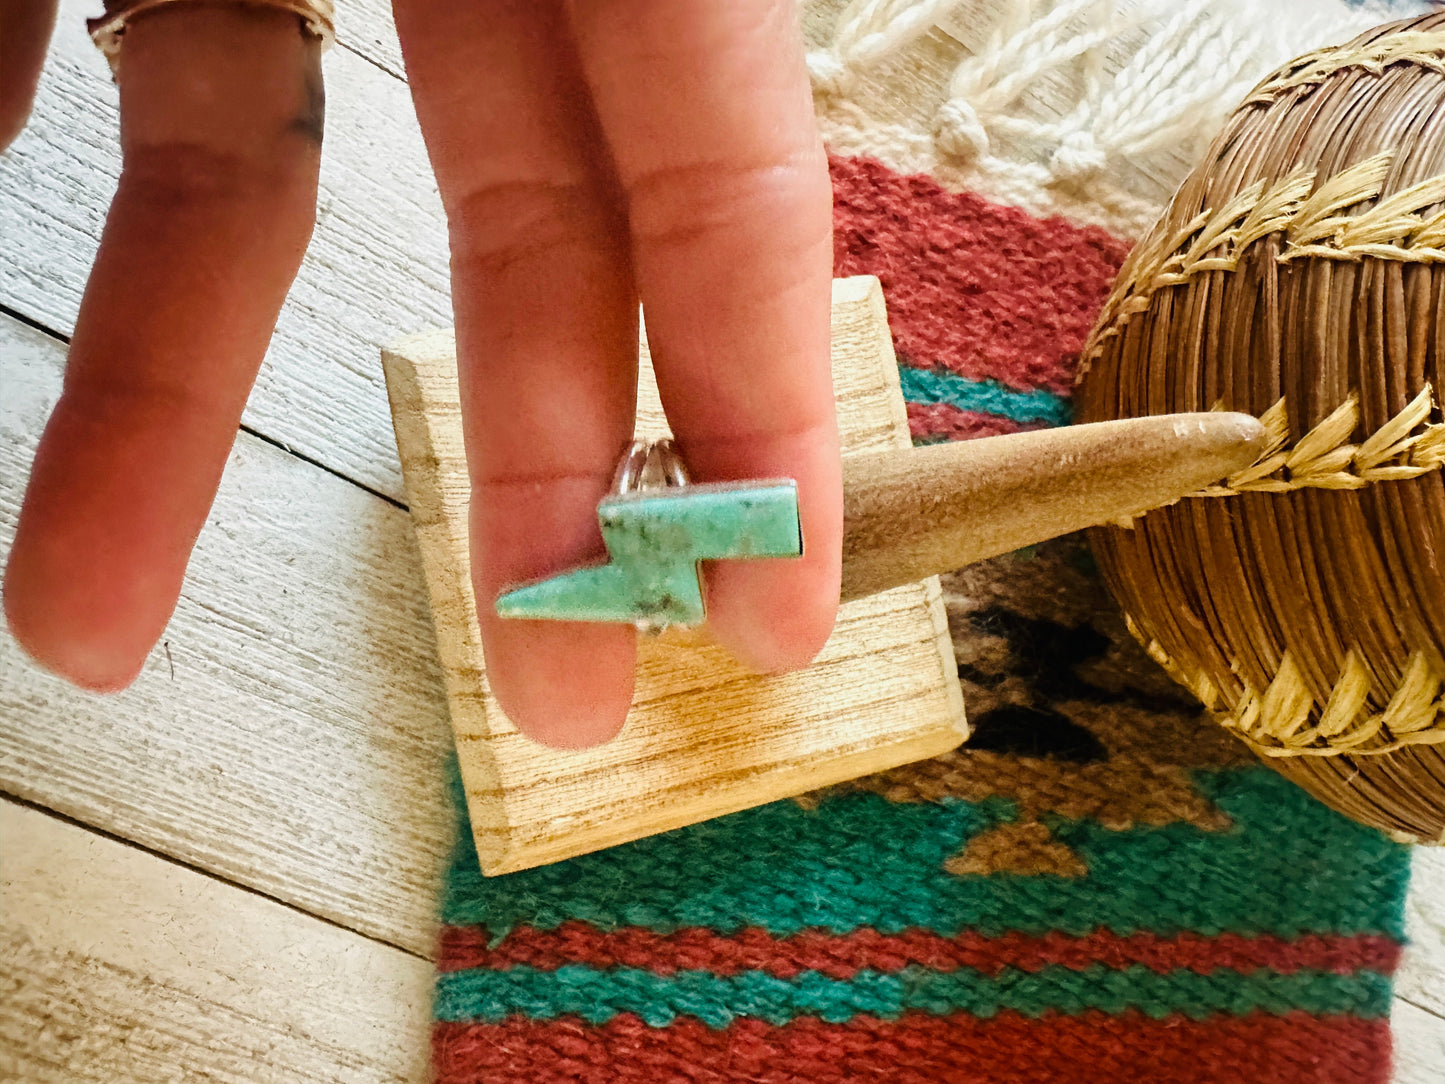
(67, 648)
(776, 615)
(107, 523)
(771, 617)
(562, 685)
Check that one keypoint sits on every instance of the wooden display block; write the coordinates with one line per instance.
(705, 737)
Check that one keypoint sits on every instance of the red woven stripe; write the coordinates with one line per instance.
(983, 290)
(841, 957)
(1009, 1049)
(927, 420)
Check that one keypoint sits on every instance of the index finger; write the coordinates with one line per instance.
(707, 109)
(221, 109)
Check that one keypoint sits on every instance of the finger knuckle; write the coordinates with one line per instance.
(778, 201)
(182, 175)
(498, 225)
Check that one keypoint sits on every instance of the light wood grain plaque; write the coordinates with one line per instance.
(705, 736)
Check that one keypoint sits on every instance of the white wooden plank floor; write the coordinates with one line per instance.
(238, 751)
(229, 871)
(122, 966)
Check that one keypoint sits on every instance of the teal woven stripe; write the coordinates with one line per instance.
(1287, 866)
(987, 396)
(598, 995)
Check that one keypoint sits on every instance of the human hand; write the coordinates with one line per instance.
(588, 155)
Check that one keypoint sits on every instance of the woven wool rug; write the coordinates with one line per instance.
(1101, 885)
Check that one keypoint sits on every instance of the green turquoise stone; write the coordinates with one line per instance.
(655, 538)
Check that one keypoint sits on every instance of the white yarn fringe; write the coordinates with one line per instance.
(1093, 108)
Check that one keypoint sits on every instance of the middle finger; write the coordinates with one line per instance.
(546, 317)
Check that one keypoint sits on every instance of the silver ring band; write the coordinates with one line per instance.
(649, 465)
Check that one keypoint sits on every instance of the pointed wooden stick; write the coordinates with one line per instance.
(916, 513)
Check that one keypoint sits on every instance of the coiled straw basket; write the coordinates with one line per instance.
(1299, 275)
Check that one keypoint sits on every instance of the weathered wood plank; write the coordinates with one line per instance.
(1418, 1017)
(1419, 1045)
(120, 967)
(705, 737)
(1422, 975)
(377, 267)
(366, 28)
(298, 745)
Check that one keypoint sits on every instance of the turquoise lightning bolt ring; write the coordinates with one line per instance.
(657, 526)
